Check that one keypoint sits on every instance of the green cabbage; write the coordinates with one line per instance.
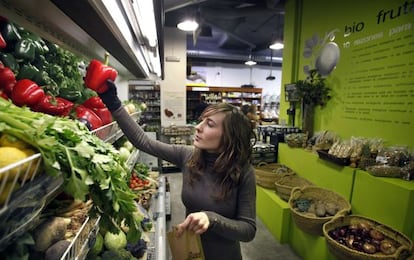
(115, 241)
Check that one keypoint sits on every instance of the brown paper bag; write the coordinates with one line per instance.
(186, 247)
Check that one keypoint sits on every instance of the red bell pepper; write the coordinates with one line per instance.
(100, 109)
(7, 80)
(3, 43)
(88, 117)
(94, 102)
(56, 106)
(26, 92)
(4, 95)
(97, 74)
(104, 114)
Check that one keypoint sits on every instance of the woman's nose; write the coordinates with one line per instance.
(198, 126)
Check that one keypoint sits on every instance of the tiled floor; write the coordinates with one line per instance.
(263, 247)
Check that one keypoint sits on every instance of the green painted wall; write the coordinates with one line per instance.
(373, 82)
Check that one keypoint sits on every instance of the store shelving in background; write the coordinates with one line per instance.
(147, 95)
(181, 135)
(234, 96)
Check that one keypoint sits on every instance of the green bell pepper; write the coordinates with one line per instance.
(70, 93)
(28, 71)
(10, 33)
(25, 49)
(40, 45)
(8, 60)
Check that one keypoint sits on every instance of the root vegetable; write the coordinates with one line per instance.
(56, 251)
(387, 247)
(49, 232)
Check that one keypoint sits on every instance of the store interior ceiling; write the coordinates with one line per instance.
(230, 31)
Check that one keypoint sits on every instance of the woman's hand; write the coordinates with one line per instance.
(197, 222)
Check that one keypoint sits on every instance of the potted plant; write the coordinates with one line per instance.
(313, 91)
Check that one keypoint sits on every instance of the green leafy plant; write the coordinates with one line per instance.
(313, 90)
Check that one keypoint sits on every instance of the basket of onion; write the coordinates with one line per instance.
(359, 237)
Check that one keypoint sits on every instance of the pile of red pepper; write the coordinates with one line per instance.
(24, 92)
(23, 88)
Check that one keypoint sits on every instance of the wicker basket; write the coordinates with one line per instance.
(267, 174)
(344, 252)
(313, 224)
(285, 184)
(296, 140)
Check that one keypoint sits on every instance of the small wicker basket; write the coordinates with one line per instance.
(296, 140)
(267, 174)
(345, 253)
(285, 184)
(313, 224)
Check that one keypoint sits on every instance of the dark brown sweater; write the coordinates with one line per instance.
(231, 220)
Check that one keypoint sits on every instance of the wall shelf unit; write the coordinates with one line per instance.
(233, 95)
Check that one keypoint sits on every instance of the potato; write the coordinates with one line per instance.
(331, 208)
(320, 210)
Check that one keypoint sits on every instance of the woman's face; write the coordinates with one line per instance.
(209, 132)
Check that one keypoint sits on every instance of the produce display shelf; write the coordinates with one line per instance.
(157, 248)
(81, 243)
(16, 175)
(133, 158)
(25, 206)
(110, 133)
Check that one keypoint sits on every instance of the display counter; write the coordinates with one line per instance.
(274, 213)
(387, 200)
(321, 173)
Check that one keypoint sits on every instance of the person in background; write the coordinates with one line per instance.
(219, 187)
(251, 112)
(198, 110)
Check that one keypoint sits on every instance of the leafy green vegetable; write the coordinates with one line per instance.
(119, 254)
(63, 67)
(115, 241)
(91, 168)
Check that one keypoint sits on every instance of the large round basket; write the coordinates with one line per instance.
(285, 184)
(310, 223)
(267, 174)
(343, 252)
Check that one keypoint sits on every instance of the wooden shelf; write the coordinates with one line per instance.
(231, 95)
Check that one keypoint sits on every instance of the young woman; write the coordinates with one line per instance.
(219, 188)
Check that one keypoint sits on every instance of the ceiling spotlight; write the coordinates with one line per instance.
(188, 25)
(276, 46)
(250, 61)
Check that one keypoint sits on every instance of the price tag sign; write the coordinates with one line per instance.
(291, 93)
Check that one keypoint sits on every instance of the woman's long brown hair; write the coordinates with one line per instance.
(236, 154)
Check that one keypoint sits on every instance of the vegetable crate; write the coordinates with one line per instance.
(17, 175)
(26, 192)
(79, 246)
(309, 222)
(398, 245)
(267, 174)
(285, 184)
(108, 133)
